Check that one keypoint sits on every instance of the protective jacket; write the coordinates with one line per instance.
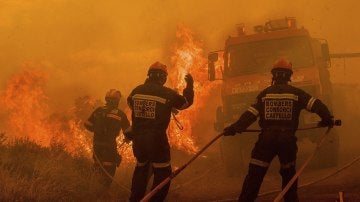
(151, 105)
(279, 106)
(106, 123)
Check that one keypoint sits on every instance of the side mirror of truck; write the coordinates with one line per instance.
(212, 58)
(325, 51)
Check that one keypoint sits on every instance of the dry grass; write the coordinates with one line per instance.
(29, 172)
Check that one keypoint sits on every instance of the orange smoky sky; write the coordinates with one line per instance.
(89, 46)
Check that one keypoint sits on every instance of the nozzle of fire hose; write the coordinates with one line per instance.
(337, 122)
(329, 123)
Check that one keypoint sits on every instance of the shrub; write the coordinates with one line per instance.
(30, 172)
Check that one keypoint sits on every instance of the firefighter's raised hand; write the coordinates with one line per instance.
(189, 81)
(229, 131)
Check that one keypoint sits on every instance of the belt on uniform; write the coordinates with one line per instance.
(105, 144)
(149, 131)
(278, 129)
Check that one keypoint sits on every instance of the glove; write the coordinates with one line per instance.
(329, 122)
(129, 134)
(229, 131)
(189, 80)
(118, 160)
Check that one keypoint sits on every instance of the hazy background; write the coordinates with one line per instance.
(88, 47)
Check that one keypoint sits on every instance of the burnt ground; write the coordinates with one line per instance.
(206, 180)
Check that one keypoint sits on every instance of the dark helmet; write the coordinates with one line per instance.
(113, 95)
(158, 72)
(281, 70)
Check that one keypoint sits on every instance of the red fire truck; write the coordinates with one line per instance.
(247, 61)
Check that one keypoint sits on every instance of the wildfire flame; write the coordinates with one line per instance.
(188, 57)
(28, 115)
(24, 100)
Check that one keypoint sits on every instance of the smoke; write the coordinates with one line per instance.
(95, 46)
(87, 47)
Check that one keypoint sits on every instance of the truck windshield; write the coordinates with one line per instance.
(258, 57)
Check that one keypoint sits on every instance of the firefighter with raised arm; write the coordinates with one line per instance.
(278, 108)
(106, 122)
(151, 104)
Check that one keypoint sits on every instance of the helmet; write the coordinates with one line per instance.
(282, 64)
(158, 67)
(113, 94)
(281, 71)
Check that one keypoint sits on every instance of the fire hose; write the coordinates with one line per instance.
(107, 174)
(176, 172)
(177, 122)
(179, 170)
(298, 173)
(197, 178)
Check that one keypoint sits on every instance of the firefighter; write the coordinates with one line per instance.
(151, 104)
(278, 108)
(106, 122)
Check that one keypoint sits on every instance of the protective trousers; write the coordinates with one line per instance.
(108, 157)
(152, 153)
(110, 168)
(270, 144)
(140, 180)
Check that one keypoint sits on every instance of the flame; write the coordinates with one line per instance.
(24, 100)
(28, 115)
(188, 57)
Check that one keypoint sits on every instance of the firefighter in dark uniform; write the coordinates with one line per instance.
(151, 104)
(106, 123)
(278, 107)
